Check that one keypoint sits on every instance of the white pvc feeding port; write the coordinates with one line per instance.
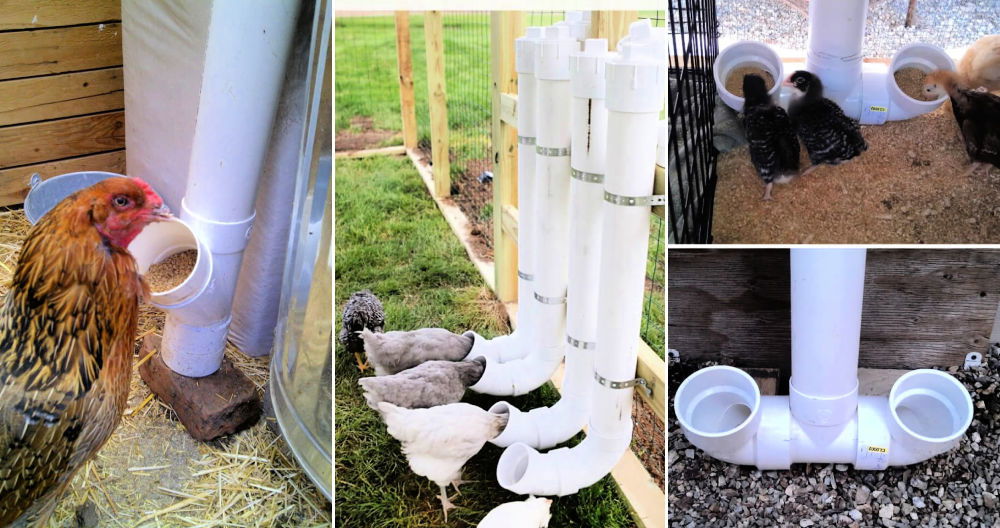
(931, 407)
(746, 53)
(720, 405)
(926, 58)
(160, 241)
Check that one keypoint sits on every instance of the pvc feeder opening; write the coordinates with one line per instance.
(742, 54)
(513, 465)
(930, 405)
(717, 401)
(161, 240)
(924, 57)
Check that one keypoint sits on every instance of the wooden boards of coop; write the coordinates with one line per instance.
(62, 95)
(922, 308)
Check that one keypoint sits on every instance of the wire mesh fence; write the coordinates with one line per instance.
(653, 322)
(367, 83)
(692, 46)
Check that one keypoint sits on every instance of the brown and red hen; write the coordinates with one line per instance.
(67, 328)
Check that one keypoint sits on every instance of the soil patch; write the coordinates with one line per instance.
(734, 83)
(475, 199)
(647, 438)
(911, 82)
(911, 186)
(361, 135)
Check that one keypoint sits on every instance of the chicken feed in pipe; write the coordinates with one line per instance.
(544, 427)
(636, 82)
(721, 411)
(233, 128)
(551, 216)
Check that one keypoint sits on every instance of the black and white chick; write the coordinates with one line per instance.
(830, 136)
(362, 311)
(774, 148)
(426, 385)
(396, 351)
(977, 114)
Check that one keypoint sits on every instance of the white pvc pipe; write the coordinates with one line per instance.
(865, 91)
(544, 427)
(827, 292)
(721, 411)
(546, 302)
(635, 87)
(244, 67)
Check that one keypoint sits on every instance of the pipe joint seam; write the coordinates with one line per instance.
(220, 237)
(822, 410)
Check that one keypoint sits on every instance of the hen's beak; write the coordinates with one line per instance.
(162, 212)
(787, 82)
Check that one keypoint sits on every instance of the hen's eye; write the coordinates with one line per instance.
(121, 201)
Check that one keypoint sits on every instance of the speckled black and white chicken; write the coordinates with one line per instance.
(774, 148)
(426, 385)
(362, 311)
(830, 136)
(439, 441)
(394, 352)
(532, 512)
(977, 114)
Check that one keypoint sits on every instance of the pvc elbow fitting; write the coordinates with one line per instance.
(518, 376)
(500, 349)
(563, 471)
(542, 427)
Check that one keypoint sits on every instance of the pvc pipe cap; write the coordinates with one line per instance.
(636, 75)
(524, 50)
(552, 53)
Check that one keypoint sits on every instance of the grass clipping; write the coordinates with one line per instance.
(152, 473)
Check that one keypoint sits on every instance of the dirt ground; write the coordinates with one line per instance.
(472, 197)
(647, 439)
(910, 186)
(361, 135)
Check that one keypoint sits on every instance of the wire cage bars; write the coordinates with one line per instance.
(692, 46)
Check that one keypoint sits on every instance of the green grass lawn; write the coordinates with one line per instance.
(391, 239)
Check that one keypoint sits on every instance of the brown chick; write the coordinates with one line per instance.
(976, 113)
(980, 66)
(67, 328)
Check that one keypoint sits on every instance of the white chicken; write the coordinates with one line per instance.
(438, 441)
(529, 513)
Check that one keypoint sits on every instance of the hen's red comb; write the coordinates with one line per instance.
(151, 196)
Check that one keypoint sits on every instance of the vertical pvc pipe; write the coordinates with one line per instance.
(827, 292)
(636, 83)
(836, 33)
(551, 187)
(247, 40)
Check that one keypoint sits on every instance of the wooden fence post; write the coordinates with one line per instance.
(404, 62)
(505, 26)
(612, 25)
(434, 39)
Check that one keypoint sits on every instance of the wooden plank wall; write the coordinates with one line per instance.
(61, 90)
(922, 308)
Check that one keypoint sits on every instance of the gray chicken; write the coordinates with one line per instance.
(394, 352)
(363, 310)
(829, 135)
(426, 385)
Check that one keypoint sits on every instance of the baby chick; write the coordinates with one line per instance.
(529, 513)
(394, 352)
(774, 149)
(426, 385)
(363, 310)
(438, 441)
(830, 136)
(977, 114)
(980, 66)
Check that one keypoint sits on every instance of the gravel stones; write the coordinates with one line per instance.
(955, 489)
